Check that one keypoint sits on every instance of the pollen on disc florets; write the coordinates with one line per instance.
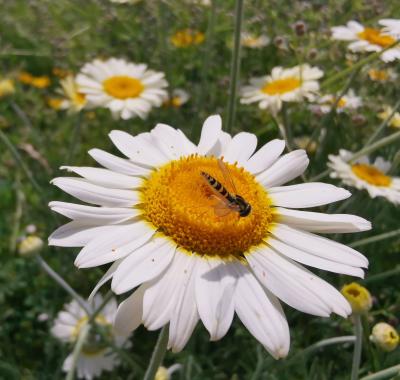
(178, 202)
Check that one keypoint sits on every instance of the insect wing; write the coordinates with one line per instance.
(222, 207)
(229, 185)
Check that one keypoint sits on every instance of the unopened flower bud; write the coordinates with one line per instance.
(312, 54)
(385, 336)
(359, 297)
(300, 28)
(30, 245)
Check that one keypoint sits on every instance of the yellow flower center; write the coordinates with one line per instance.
(40, 82)
(187, 37)
(54, 103)
(374, 36)
(79, 98)
(378, 75)
(162, 374)
(180, 204)
(281, 86)
(358, 297)
(371, 174)
(123, 87)
(100, 320)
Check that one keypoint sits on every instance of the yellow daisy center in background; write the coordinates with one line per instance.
(378, 75)
(375, 37)
(281, 86)
(180, 204)
(187, 37)
(100, 320)
(123, 87)
(371, 174)
(54, 103)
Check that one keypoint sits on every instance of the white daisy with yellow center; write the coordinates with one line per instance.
(394, 121)
(74, 100)
(283, 85)
(347, 102)
(254, 41)
(168, 235)
(364, 175)
(365, 39)
(94, 357)
(126, 89)
(178, 98)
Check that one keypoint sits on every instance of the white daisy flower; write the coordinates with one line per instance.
(283, 85)
(126, 89)
(74, 100)
(391, 26)
(178, 98)
(125, 1)
(347, 102)
(193, 253)
(253, 41)
(95, 356)
(394, 121)
(365, 175)
(366, 39)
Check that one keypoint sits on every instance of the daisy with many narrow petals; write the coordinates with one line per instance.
(127, 89)
(95, 357)
(254, 41)
(282, 85)
(157, 220)
(347, 102)
(74, 100)
(366, 175)
(365, 39)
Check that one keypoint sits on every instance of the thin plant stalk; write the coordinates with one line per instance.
(357, 347)
(373, 239)
(83, 333)
(60, 281)
(383, 275)
(158, 354)
(19, 200)
(235, 66)
(384, 374)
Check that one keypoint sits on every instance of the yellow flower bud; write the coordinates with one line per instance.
(6, 87)
(358, 297)
(162, 374)
(30, 245)
(384, 336)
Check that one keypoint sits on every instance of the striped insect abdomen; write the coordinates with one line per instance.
(217, 186)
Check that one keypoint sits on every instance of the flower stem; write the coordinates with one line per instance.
(158, 354)
(384, 374)
(19, 200)
(60, 281)
(235, 66)
(375, 238)
(83, 333)
(383, 275)
(357, 347)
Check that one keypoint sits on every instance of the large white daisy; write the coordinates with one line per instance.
(126, 89)
(365, 39)
(366, 175)
(160, 223)
(95, 356)
(282, 85)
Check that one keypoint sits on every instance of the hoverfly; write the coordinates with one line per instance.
(227, 202)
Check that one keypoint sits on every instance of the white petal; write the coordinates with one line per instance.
(94, 215)
(306, 195)
(321, 222)
(77, 234)
(138, 149)
(214, 288)
(265, 157)
(87, 192)
(107, 178)
(118, 164)
(295, 285)
(184, 315)
(240, 148)
(110, 247)
(146, 263)
(129, 313)
(210, 133)
(106, 277)
(261, 313)
(288, 167)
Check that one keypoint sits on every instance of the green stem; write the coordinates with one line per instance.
(158, 354)
(357, 347)
(83, 333)
(384, 374)
(19, 195)
(383, 275)
(235, 66)
(383, 125)
(358, 65)
(60, 281)
(286, 128)
(375, 238)
(257, 371)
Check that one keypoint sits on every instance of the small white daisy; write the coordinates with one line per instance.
(365, 39)
(364, 175)
(126, 89)
(95, 356)
(391, 26)
(178, 98)
(199, 244)
(73, 99)
(394, 121)
(347, 102)
(282, 85)
(253, 41)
